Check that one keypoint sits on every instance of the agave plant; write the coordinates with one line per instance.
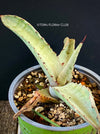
(58, 69)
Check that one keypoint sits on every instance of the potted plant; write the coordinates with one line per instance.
(59, 70)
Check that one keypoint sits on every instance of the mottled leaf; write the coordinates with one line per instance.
(66, 73)
(68, 49)
(38, 46)
(80, 99)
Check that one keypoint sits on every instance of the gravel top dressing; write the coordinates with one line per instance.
(59, 113)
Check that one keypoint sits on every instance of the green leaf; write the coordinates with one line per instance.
(66, 73)
(80, 99)
(46, 119)
(38, 46)
(68, 49)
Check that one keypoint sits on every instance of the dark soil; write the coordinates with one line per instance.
(59, 113)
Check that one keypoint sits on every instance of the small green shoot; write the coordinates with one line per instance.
(46, 119)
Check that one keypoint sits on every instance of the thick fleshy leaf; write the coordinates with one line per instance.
(66, 73)
(38, 46)
(80, 99)
(68, 49)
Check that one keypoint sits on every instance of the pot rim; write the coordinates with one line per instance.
(95, 77)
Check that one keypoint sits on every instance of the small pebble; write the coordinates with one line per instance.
(77, 72)
(59, 123)
(29, 95)
(51, 114)
(76, 115)
(51, 109)
(21, 85)
(29, 76)
(33, 93)
(76, 76)
(39, 109)
(55, 111)
(26, 80)
(37, 81)
(20, 99)
(61, 105)
(19, 93)
(41, 84)
(34, 73)
(60, 108)
(94, 84)
(24, 95)
(90, 85)
(62, 117)
(81, 76)
(16, 96)
(40, 75)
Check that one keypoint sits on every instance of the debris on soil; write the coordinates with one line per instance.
(60, 113)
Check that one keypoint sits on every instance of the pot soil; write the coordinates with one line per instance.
(59, 113)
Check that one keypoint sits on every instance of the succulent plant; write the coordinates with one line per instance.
(58, 69)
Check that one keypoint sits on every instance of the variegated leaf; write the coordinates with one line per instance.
(38, 46)
(80, 99)
(66, 73)
(68, 49)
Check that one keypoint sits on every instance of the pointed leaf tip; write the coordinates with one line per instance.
(66, 74)
(38, 46)
(68, 48)
(84, 39)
